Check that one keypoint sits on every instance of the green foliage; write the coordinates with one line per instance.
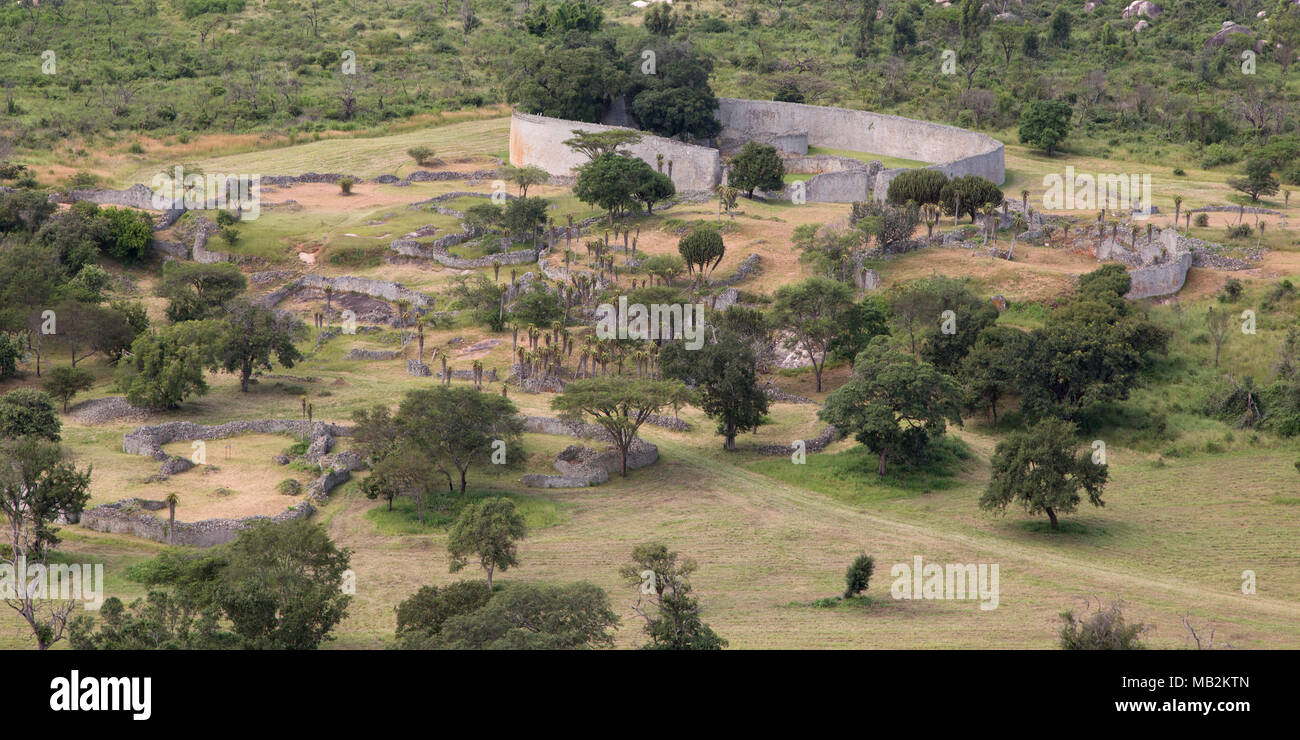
(421, 617)
(972, 192)
(166, 366)
(918, 186)
(11, 351)
(893, 404)
(130, 234)
(756, 167)
(423, 155)
(569, 15)
(197, 291)
(289, 487)
(858, 576)
(660, 20)
(28, 413)
(815, 312)
(1040, 470)
(673, 617)
(702, 250)
(1258, 181)
(621, 184)
(529, 616)
(489, 530)
(65, 382)
(252, 337)
(725, 375)
(1045, 124)
(619, 405)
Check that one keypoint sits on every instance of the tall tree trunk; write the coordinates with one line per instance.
(1052, 515)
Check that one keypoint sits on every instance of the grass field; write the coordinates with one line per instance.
(1184, 516)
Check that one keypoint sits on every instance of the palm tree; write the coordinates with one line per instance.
(1024, 202)
(1178, 207)
(172, 499)
(403, 306)
(329, 294)
(419, 328)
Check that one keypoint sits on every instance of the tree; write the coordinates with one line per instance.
(28, 413)
(701, 249)
(569, 15)
(597, 143)
(1284, 28)
(172, 499)
(421, 154)
(167, 365)
(858, 576)
(815, 312)
(524, 177)
(619, 405)
(37, 486)
(26, 209)
(535, 616)
(665, 267)
(65, 382)
(457, 426)
(575, 84)
(868, 319)
(1217, 325)
(282, 586)
(130, 233)
(724, 373)
(489, 530)
(87, 328)
(988, 371)
(918, 186)
(252, 336)
(1062, 21)
(1258, 181)
(619, 184)
(197, 291)
(969, 194)
(677, 111)
(893, 404)
(1039, 469)
(405, 472)
(660, 20)
(523, 216)
(421, 617)
(1045, 124)
(948, 342)
(673, 618)
(756, 166)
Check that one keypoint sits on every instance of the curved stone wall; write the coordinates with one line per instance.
(539, 141)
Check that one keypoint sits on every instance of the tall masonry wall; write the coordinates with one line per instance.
(955, 151)
(539, 141)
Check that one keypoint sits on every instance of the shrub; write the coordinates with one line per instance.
(1202, 219)
(289, 487)
(1219, 154)
(1238, 231)
(1103, 630)
(1232, 290)
(345, 185)
(421, 154)
(919, 186)
(858, 575)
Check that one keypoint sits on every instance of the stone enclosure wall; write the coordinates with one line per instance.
(538, 140)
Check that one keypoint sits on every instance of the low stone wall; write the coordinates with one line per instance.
(747, 269)
(816, 444)
(356, 353)
(133, 517)
(136, 196)
(1167, 276)
(148, 440)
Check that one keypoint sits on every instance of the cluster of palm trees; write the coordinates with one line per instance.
(548, 353)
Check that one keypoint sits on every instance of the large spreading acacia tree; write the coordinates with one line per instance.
(619, 405)
(458, 426)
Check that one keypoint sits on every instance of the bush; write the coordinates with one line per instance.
(1104, 630)
(421, 154)
(858, 575)
(919, 186)
(1202, 220)
(1232, 290)
(345, 185)
(1218, 154)
(289, 487)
